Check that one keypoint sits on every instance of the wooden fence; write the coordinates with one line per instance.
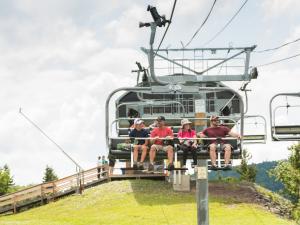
(49, 191)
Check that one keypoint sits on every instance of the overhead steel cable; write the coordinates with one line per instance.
(280, 60)
(281, 46)
(197, 31)
(226, 25)
(170, 21)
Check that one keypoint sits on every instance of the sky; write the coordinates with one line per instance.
(60, 59)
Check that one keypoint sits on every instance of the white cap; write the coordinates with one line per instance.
(138, 121)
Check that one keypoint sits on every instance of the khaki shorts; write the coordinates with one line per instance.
(162, 147)
(223, 146)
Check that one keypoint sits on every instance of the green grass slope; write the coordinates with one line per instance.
(143, 202)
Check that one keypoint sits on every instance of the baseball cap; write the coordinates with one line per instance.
(161, 118)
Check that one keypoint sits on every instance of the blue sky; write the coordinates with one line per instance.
(60, 59)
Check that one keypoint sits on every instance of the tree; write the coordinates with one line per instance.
(6, 180)
(288, 172)
(248, 173)
(49, 175)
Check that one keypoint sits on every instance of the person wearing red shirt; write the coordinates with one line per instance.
(187, 144)
(161, 131)
(218, 131)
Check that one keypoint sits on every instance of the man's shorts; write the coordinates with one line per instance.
(222, 146)
(161, 147)
(140, 147)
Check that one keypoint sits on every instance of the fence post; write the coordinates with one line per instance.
(42, 194)
(15, 203)
(53, 190)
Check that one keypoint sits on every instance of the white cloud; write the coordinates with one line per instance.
(275, 8)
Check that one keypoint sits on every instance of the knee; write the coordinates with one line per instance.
(152, 148)
(170, 149)
(227, 148)
(212, 148)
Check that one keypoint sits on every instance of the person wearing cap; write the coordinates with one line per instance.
(217, 131)
(140, 145)
(187, 144)
(161, 131)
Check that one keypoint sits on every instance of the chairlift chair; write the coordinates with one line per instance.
(283, 132)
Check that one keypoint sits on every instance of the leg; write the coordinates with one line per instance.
(194, 155)
(144, 153)
(184, 148)
(227, 155)
(135, 153)
(152, 153)
(111, 167)
(98, 172)
(212, 153)
(170, 154)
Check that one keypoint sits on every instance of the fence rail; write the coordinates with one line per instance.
(51, 190)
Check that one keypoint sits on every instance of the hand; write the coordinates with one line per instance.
(168, 137)
(194, 145)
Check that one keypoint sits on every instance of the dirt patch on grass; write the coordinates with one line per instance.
(237, 193)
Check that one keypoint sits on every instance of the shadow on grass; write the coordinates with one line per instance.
(149, 192)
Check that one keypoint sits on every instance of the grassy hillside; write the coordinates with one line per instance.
(145, 202)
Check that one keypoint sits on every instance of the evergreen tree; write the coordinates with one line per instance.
(248, 173)
(49, 175)
(6, 180)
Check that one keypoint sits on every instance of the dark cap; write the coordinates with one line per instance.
(161, 118)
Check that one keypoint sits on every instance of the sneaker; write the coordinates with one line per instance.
(213, 167)
(151, 168)
(135, 167)
(141, 167)
(171, 167)
(227, 167)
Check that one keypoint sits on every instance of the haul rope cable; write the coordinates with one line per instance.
(218, 33)
(276, 48)
(50, 139)
(197, 31)
(280, 60)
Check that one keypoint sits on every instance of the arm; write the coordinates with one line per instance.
(153, 135)
(194, 141)
(202, 134)
(234, 134)
(147, 141)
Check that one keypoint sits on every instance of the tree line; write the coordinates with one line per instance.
(7, 184)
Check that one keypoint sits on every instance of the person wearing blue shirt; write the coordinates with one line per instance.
(140, 145)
